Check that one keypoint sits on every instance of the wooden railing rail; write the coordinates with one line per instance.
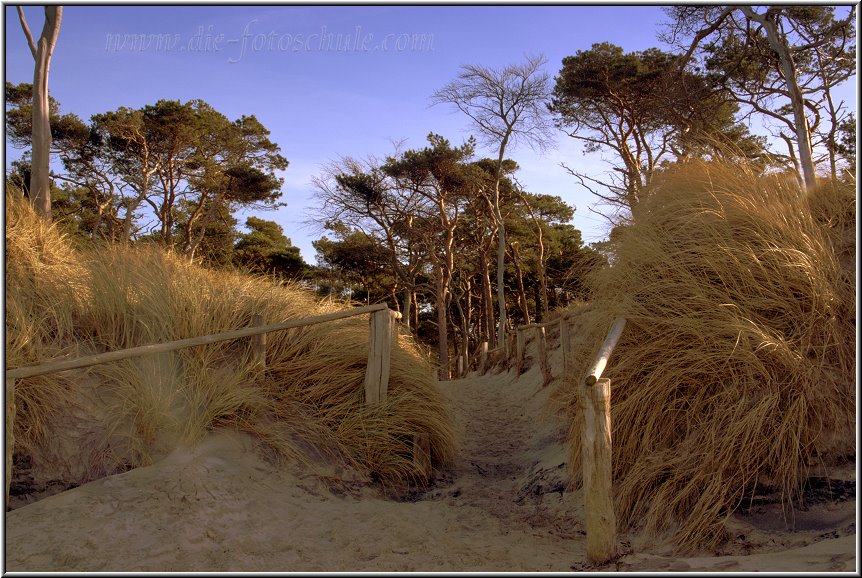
(605, 351)
(63, 365)
(382, 322)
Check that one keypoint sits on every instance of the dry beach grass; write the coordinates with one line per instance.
(306, 406)
(736, 372)
(734, 380)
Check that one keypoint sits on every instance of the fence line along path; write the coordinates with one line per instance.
(382, 325)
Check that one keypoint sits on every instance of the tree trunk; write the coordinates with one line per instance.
(501, 245)
(442, 324)
(540, 238)
(539, 316)
(40, 183)
(788, 69)
(487, 302)
(522, 295)
(465, 316)
(406, 301)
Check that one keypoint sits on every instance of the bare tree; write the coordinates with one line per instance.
(506, 106)
(40, 187)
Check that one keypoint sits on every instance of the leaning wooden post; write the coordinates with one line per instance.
(596, 467)
(542, 345)
(10, 438)
(564, 343)
(379, 351)
(258, 344)
(483, 358)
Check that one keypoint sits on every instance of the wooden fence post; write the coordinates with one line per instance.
(258, 343)
(10, 438)
(596, 467)
(379, 344)
(564, 343)
(542, 345)
(483, 358)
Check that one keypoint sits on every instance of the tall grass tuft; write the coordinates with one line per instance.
(736, 370)
(307, 405)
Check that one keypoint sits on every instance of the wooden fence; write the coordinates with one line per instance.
(516, 345)
(376, 383)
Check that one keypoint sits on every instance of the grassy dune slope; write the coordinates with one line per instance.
(736, 371)
(308, 405)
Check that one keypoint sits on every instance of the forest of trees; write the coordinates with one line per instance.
(450, 238)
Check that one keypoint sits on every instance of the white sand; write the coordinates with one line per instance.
(218, 507)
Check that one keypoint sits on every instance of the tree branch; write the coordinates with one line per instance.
(27, 31)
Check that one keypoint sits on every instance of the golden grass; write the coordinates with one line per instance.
(737, 366)
(307, 405)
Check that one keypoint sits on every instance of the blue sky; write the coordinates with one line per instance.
(322, 102)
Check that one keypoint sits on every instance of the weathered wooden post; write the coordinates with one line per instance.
(596, 464)
(542, 345)
(379, 351)
(10, 437)
(483, 358)
(596, 454)
(258, 344)
(564, 342)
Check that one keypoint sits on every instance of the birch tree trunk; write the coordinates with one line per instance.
(778, 43)
(40, 184)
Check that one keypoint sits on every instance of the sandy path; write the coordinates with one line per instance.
(219, 508)
(500, 507)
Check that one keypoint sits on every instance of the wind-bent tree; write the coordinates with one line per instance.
(436, 174)
(780, 61)
(360, 196)
(190, 165)
(506, 106)
(232, 165)
(645, 110)
(40, 186)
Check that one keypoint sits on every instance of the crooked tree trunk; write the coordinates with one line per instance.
(40, 183)
(788, 69)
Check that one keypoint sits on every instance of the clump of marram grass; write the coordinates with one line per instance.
(736, 370)
(308, 405)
